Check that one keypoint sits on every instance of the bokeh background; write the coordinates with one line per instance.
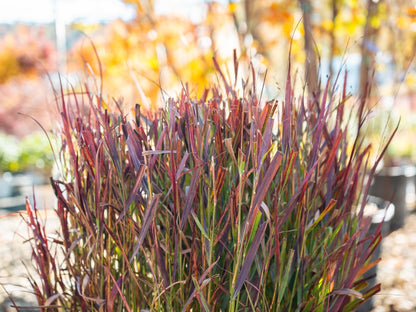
(144, 51)
(147, 50)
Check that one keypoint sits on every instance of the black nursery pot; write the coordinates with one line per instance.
(380, 211)
(390, 184)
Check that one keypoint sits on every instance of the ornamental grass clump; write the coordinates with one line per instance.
(222, 203)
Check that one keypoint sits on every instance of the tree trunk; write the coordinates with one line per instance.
(368, 50)
(311, 70)
(333, 41)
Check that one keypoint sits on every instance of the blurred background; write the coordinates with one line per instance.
(149, 49)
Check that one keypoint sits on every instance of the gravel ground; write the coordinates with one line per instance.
(396, 271)
(12, 270)
(14, 251)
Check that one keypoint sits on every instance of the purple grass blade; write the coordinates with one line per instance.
(264, 186)
(117, 287)
(190, 196)
(329, 162)
(266, 139)
(287, 113)
(135, 150)
(182, 165)
(251, 254)
(147, 220)
(200, 281)
(296, 196)
(227, 86)
(133, 192)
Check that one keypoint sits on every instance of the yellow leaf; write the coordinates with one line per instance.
(403, 22)
(232, 6)
(153, 62)
(287, 29)
(411, 10)
(375, 22)
(327, 24)
(351, 28)
(411, 80)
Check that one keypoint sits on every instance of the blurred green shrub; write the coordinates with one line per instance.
(32, 153)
